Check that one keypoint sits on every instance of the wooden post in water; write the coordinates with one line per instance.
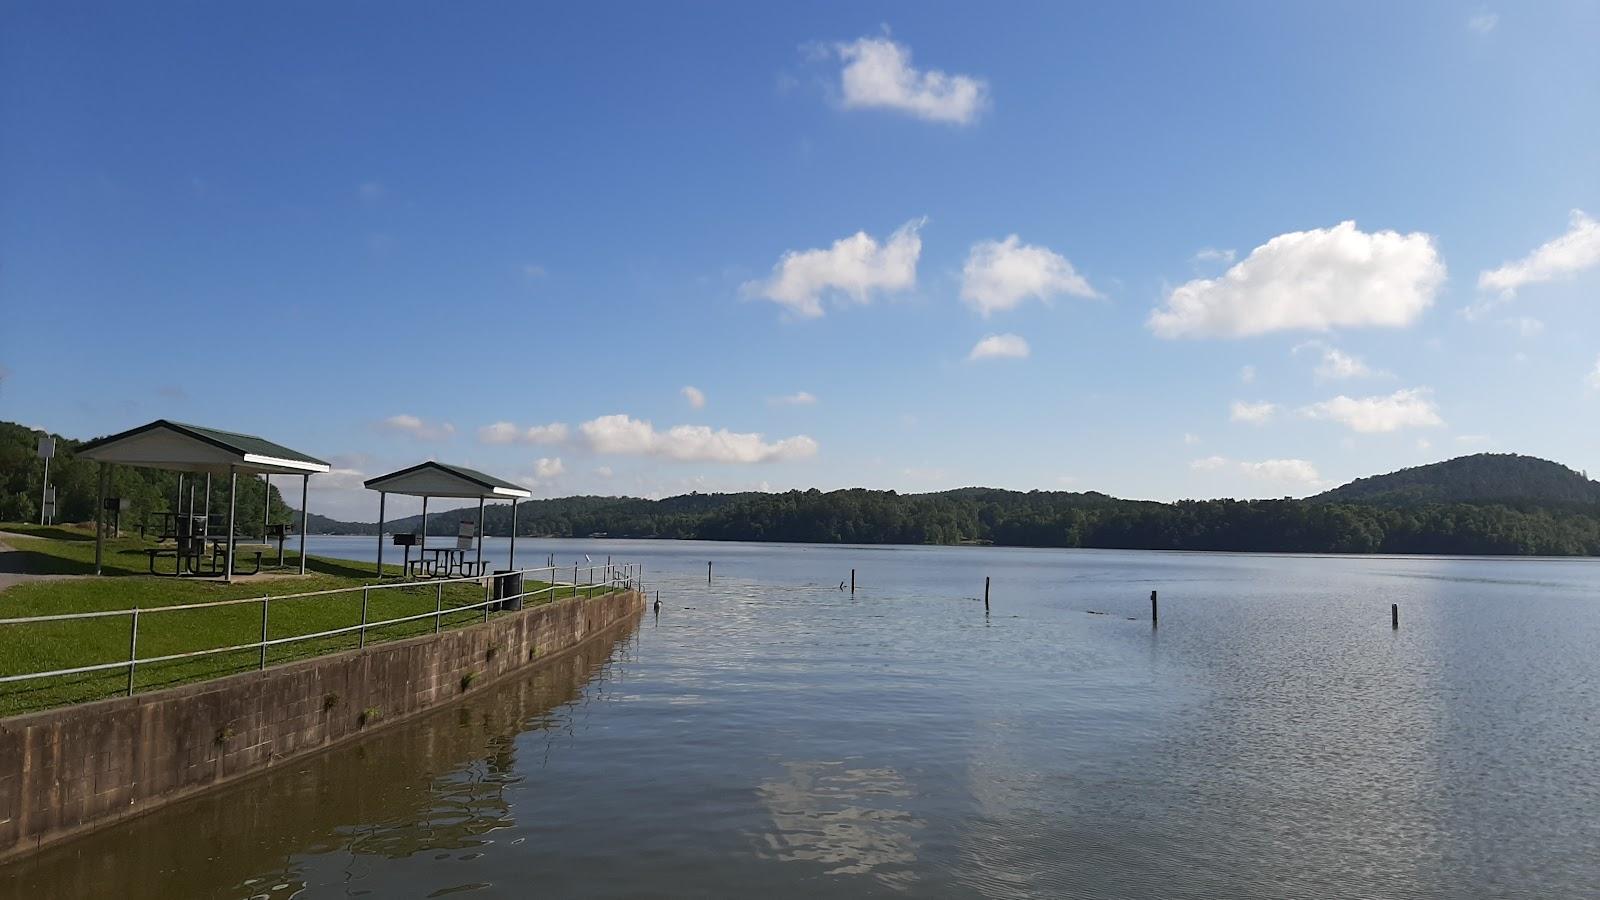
(1394, 615)
(852, 581)
(708, 572)
(986, 595)
(1155, 611)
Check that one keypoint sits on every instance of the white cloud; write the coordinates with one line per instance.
(1483, 22)
(1403, 409)
(1213, 255)
(545, 467)
(695, 396)
(1424, 444)
(1190, 439)
(1287, 471)
(508, 433)
(1253, 413)
(1526, 326)
(1337, 365)
(855, 267)
(417, 428)
(624, 435)
(603, 472)
(1472, 439)
(878, 74)
(1247, 374)
(1296, 472)
(1568, 254)
(1000, 346)
(1313, 280)
(798, 398)
(1593, 379)
(999, 275)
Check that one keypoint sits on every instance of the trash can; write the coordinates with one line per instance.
(507, 584)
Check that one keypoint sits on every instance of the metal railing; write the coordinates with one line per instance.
(611, 577)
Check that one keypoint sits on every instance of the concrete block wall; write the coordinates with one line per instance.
(69, 770)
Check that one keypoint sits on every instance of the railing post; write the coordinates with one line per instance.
(488, 587)
(438, 608)
(133, 649)
(574, 579)
(263, 632)
(363, 619)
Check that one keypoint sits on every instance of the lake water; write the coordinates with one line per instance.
(771, 735)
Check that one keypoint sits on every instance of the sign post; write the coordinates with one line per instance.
(47, 497)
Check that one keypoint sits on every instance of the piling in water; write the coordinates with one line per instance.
(852, 581)
(708, 572)
(1394, 615)
(986, 593)
(1155, 610)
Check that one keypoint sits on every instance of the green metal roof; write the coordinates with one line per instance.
(232, 441)
(471, 475)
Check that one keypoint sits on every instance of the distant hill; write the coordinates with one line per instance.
(1481, 478)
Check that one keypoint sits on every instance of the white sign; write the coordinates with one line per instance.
(47, 446)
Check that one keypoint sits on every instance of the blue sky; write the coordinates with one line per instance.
(510, 237)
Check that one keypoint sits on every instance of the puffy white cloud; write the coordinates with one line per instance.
(1483, 22)
(798, 398)
(855, 267)
(999, 275)
(1252, 413)
(1568, 254)
(1190, 439)
(1310, 280)
(1296, 472)
(508, 433)
(406, 423)
(624, 435)
(1527, 326)
(1411, 408)
(1337, 365)
(878, 74)
(1287, 471)
(1000, 346)
(545, 467)
(695, 396)
(1213, 255)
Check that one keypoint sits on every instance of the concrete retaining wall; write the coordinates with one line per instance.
(70, 770)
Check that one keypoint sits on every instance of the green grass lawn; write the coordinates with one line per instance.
(48, 646)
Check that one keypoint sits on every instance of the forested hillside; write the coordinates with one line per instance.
(1489, 503)
(1482, 478)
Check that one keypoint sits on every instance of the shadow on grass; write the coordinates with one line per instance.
(52, 532)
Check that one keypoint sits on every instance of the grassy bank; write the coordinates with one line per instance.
(63, 645)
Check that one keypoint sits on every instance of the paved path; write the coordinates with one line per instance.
(11, 570)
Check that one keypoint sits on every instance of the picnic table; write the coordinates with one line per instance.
(446, 561)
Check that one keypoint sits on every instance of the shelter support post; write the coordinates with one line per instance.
(233, 508)
(512, 563)
(100, 522)
(381, 498)
(479, 563)
(305, 518)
